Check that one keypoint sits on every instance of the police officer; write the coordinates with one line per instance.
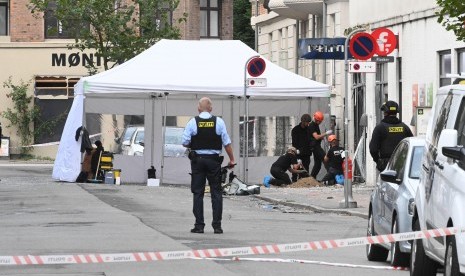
(301, 141)
(205, 135)
(387, 134)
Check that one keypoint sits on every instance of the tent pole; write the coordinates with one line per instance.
(153, 129)
(163, 137)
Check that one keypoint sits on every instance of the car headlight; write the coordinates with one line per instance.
(411, 206)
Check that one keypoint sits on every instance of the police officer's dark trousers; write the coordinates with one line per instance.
(207, 167)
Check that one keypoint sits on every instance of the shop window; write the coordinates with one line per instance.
(461, 61)
(444, 68)
(210, 18)
(3, 17)
(49, 87)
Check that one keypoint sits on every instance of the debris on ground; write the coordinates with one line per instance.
(306, 182)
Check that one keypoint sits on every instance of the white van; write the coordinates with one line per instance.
(440, 197)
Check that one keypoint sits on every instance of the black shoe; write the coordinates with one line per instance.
(218, 231)
(197, 230)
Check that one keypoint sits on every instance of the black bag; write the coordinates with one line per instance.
(82, 177)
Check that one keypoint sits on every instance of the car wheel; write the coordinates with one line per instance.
(420, 264)
(374, 252)
(398, 258)
(451, 261)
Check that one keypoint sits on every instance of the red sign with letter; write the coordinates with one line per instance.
(386, 41)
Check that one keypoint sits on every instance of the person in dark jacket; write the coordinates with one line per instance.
(315, 142)
(285, 162)
(387, 134)
(301, 141)
(334, 159)
(96, 154)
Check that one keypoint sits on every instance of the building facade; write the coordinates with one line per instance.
(30, 52)
(424, 57)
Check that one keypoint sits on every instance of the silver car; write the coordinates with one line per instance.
(392, 202)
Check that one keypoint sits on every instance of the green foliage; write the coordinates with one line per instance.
(452, 16)
(241, 23)
(115, 30)
(23, 113)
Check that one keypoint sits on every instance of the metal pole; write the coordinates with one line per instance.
(245, 122)
(153, 130)
(349, 202)
(165, 111)
(256, 25)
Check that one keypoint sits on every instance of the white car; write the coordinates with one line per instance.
(440, 197)
(135, 144)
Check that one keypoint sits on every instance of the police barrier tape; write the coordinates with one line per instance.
(224, 252)
(279, 260)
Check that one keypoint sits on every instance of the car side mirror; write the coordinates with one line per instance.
(448, 138)
(390, 176)
(117, 140)
(126, 143)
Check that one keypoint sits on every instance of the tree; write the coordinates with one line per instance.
(116, 29)
(452, 16)
(241, 23)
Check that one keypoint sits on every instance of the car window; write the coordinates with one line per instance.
(415, 163)
(139, 137)
(398, 159)
(173, 136)
(441, 121)
(460, 124)
(128, 133)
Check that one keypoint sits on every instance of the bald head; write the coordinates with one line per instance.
(205, 105)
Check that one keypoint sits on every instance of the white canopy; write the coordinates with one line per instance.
(179, 67)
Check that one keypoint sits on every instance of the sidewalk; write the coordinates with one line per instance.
(320, 199)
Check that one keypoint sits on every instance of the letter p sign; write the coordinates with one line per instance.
(386, 41)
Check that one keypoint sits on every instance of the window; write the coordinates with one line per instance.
(444, 68)
(54, 87)
(209, 18)
(57, 29)
(3, 17)
(461, 61)
(415, 165)
(381, 95)
(460, 124)
(159, 16)
(441, 121)
(398, 159)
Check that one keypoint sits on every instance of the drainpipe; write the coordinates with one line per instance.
(323, 34)
(297, 30)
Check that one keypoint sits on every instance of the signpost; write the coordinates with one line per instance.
(386, 41)
(362, 46)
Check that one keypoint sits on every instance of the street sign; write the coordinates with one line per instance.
(256, 66)
(256, 82)
(362, 46)
(362, 67)
(386, 59)
(386, 41)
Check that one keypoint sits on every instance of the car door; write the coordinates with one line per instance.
(396, 163)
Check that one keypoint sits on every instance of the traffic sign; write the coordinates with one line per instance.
(362, 67)
(256, 66)
(256, 82)
(362, 46)
(386, 41)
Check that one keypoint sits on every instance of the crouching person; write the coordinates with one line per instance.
(286, 162)
(334, 159)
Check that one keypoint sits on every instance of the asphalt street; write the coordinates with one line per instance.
(39, 216)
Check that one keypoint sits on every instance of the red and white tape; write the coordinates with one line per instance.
(224, 252)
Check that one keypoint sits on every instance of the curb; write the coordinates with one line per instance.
(314, 208)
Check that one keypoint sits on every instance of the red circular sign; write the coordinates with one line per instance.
(256, 66)
(362, 46)
(386, 41)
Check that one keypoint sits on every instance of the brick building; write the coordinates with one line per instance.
(29, 52)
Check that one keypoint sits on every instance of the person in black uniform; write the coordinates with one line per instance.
(301, 141)
(205, 135)
(334, 159)
(387, 134)
(315, 142)
(285, 162)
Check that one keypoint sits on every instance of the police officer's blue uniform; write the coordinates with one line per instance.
(206, 135)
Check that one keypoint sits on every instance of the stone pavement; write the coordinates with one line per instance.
(320, 199)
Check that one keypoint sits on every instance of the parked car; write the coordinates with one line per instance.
(391, 203)
(440, 197)
(132, 141)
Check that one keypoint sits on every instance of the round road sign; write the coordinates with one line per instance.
(386, 41)
(256, 66)
(362, 46)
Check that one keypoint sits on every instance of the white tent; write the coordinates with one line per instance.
(168, 79)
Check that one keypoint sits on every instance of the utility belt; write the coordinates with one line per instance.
(193, 156)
